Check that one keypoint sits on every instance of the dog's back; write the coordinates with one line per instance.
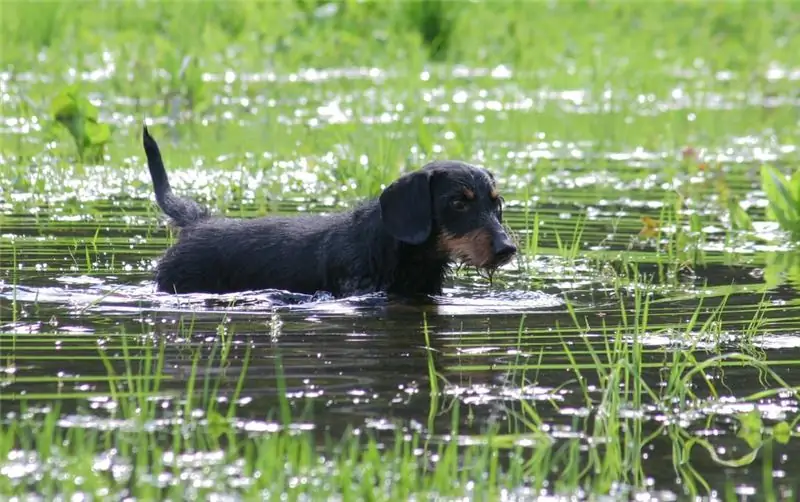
(303, 254)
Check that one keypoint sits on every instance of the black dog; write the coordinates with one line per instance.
(402, 243)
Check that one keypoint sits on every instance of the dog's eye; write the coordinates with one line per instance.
(459, 205)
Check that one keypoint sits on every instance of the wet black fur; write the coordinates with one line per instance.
(388, 244)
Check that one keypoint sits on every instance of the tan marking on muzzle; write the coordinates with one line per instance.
(473, 248)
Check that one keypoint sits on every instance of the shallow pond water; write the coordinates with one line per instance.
(636, 323)
(364, 362)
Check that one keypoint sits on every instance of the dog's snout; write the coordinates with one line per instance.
(503, 248)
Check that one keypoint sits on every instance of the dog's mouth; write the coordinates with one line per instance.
(485, 270)
(473, 250)
(489, 265)
(499, 261)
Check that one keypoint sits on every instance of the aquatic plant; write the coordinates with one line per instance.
(79, 116)
(783, 196)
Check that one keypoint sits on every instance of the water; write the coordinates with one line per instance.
(78, 243)
(363, 362)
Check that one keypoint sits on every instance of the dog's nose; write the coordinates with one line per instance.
(503, 248)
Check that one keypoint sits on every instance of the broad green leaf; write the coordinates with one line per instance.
(751, 419)
(80, 118)
(88, 109)
(782, 432)
(781, 202)
(97, 134)
(64, 107)
(750, 430)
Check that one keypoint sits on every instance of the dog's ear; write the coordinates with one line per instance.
(406, 207)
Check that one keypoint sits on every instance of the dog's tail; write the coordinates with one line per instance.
(183, 212)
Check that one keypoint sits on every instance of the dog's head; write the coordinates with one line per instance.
(456, 206)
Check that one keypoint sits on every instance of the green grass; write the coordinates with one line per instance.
(657, 373)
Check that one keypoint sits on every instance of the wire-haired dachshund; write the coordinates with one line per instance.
(401, 243)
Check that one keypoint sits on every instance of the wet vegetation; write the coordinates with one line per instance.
(645, 340)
